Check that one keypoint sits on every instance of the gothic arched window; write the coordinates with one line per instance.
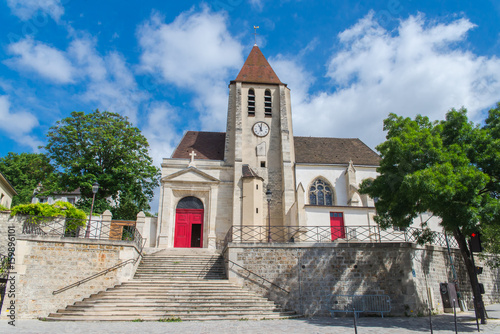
(268, 106)
(251, 102)
(321, 193)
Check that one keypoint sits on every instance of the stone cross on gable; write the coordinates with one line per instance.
(192, 155)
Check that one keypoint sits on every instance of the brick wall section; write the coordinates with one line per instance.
(45, 264)
(313, 273)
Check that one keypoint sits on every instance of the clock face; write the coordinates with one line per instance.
(261, 129)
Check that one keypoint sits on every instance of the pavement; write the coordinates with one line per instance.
(443, 323)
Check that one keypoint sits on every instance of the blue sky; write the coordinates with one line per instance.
(166, 64)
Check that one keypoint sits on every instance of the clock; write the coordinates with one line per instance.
(260, 129)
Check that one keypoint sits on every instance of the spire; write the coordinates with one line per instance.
(257, 70)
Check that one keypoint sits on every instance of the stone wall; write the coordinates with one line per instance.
(312, 273)
(8, 223)
(45, 264)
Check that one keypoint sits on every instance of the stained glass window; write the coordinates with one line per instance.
(320, 193)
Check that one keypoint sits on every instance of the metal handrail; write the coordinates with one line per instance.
(322, 234)
(251, 272)
(104, 272)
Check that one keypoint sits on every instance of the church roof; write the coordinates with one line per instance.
(311, 150)
(246, 171)
(316, 150)
(257, 70)
(206, 145)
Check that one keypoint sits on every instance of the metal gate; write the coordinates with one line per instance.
(4, 276)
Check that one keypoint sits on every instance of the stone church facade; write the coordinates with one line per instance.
(216, 180)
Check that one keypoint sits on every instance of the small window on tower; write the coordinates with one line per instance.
(251, 102)
(263, 164)
(268, 106)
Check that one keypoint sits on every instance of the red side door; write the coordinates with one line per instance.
(337, 225)
(184, 229)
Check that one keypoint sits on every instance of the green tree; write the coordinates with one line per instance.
(24, 171)
(449, 168)
(103, 147)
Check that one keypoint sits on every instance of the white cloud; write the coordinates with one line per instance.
(26, 9)
(41, 58)
(421, 68)
(196, 52)
(257, 4)
(111, 84)
(160, 130)
(18, 125)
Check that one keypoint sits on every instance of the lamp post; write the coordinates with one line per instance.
(95, 188)
(268, 196)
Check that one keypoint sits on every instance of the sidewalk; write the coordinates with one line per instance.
(443, 323)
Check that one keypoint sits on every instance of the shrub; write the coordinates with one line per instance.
(41, 212)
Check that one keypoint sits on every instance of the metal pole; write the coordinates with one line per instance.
(87, 233)
(269, 220)
(455, 316)
(355, 324)
(430, 319)
(477, 320)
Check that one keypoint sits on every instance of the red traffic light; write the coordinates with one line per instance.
(475, 242)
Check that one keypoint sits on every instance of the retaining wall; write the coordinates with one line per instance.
(408, 273)
(44, 264)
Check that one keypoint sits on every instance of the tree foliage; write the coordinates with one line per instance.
(24, 171)
(450, 168)
(103, 147)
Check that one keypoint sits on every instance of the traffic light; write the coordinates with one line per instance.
(475, 242)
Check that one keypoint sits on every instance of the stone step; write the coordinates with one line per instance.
(153, 303)
(167, 308)
(175, 294)
(174, 284)
(60, 317)
(177, 312)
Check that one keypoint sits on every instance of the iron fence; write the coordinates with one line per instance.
(325, 234)
(71, 228)
(5, 266)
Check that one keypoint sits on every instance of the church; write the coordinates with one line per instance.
(258, 173)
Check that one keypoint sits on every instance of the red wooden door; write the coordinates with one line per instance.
(188, 228)
(337, 225)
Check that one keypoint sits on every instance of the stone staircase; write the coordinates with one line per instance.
(172, 285)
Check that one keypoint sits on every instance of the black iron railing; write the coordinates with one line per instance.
(257, 275)
(101, 273)
(5, 267)
(325, 234)
(69, 228)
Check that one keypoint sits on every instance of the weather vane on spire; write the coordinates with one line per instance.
(255, 33)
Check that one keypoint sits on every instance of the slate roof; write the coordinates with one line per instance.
(311, 150)
(257, 70)
(316, 150)
(246, 171)
(206, 145)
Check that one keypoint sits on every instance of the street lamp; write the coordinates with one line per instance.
(268, 196)
(95, 188)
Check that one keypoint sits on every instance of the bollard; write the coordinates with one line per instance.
(455, 316)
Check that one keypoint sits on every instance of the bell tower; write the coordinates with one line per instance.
(259, 142)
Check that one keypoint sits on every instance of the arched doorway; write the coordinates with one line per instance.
(189, 223)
